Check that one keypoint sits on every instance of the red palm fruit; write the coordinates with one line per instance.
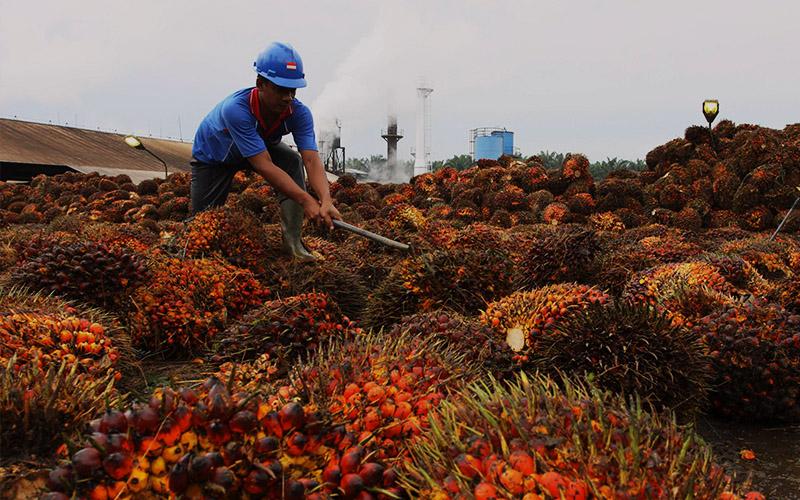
(86, 461)
(266, 446)
(552, 483)
(232, 453)
(146, 420)
(257, 482)
(332, 475)
(119, 442)
(451, 484)
(372, 420)
(351, 460)
(113, 421)
(371, 473)
(485, 491)
(351, 485)
(61, 478)
(366, 495)
(351, 390)
(218, 433)
(170, 433)
(512, 480)
(243, 422)
(54, 495)
(522, 462)
(389, 477)
(272, 424)
(118, 465)
(479, 447)
(179, 475)
(188, 396)
(296, 443)
(468, 465)
(291, 416)
(219, 405)
(200, 414)
(116, 489)
(99, 492)
(493, 467)
(376, 394)
(224, 477)
(576, 490)
(294, 490)
(150, 446)
(183, 418)
(403, 410)
(201, 468)
(387, 408)
(99, 440)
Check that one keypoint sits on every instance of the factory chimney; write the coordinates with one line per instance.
(422, 157)
(392, 136)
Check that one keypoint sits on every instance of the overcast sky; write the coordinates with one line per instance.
(605, 78)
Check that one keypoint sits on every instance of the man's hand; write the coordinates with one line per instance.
(329, 212)
(312, 209)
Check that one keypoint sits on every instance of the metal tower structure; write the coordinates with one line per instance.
(335, 160)
(422, 157)
(391, 135)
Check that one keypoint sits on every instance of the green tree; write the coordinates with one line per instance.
(458, 162)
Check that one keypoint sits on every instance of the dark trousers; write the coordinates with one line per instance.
(212, 183)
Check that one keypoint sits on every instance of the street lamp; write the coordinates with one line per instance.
(710, 111)
(135, 143)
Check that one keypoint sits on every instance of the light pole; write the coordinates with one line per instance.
(710, 111)
(135, 143)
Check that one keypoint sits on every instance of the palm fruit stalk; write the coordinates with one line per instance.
(755, 351)
(522, 317)
(537, 438)
(632, 350)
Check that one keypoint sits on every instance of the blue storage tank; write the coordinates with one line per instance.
(489, 147)
(508, 142)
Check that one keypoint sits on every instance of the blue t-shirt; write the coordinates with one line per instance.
(233, 130)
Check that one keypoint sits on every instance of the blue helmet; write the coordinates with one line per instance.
(281, 64)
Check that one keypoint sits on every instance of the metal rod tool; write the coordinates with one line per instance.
(370, 235)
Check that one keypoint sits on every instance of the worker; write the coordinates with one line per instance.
(244, 131)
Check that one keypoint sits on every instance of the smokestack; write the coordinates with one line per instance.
(392, 136)
(422, 157)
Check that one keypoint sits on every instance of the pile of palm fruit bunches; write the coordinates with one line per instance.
(547, 337)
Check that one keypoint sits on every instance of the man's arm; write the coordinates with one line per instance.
(280, 180)
(319, 183)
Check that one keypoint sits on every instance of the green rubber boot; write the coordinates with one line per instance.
(291, 227)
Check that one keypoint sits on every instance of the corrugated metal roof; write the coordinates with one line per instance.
(87, 150)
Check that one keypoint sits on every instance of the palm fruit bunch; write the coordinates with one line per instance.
(668, 247)
(755, 351)
(631, 349)
(212, 443)
(235, 235)
(461, 278)
(523, 317)
(556, 213)
(533, 439)
(253, 375)
(510, 198)
(736, 271)
(529, 177)
(86, 271)
(130, 237)
(770, 258)
(40, 401)
(685, 291)
(382, 390)
(563, 255)
(606, 221)
(189, 301)
(405, 218)
(469, 334)
(291, 327)
(335, 278)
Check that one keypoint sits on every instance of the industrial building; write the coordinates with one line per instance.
(28, 149)
(490, 143)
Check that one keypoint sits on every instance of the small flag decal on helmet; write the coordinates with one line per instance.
(291, 65)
